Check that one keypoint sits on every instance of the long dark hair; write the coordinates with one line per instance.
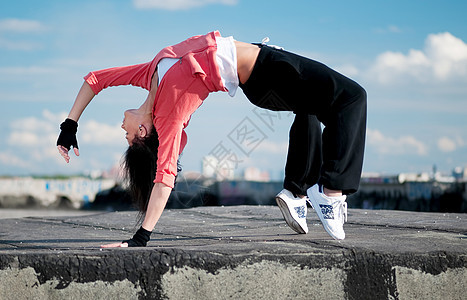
(140, 165)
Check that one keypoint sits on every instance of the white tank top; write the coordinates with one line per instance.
(226, 57)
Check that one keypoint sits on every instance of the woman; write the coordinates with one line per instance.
(323, 165)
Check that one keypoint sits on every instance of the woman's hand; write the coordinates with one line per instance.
(67, 138)
(157, 201)
(64, 152)
(115, 245)
(140, 239)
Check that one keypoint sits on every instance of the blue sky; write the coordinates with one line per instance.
(411, 56)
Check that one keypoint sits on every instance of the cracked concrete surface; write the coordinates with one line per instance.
(239, 252)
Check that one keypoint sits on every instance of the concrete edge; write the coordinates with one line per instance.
(173, 273)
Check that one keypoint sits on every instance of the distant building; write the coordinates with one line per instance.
(255, 174)
(459, 173)
(220, 169)
(25, 191)
(411, 191)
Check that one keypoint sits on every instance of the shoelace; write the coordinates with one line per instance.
(341, 209)
(309, 202)
(265, 40)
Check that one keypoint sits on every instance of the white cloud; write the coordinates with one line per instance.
(28, 71)
(54, 118)
(19, 45)
(395, 146)
(13, 27)
(34, 133)
(24, 138)
(446, 144)
(348, 70)
(21, 26)
(178, 4)
(30, 144)
(33, 124)
(273, 147)
(42, 132)
(394, 29)
(10, 159)
(388, 29)
(102, 134)
(444, 57)
(448, 55)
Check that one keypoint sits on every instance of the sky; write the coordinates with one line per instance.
(410, 56)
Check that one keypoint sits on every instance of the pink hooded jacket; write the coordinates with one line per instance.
(181, 91)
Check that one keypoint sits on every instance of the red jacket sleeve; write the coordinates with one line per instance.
(136, 75)
(170, 143)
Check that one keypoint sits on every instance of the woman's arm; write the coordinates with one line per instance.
(159, 196)
(157, 201)
(82, 100)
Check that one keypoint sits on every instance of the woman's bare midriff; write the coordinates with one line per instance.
(246, 58)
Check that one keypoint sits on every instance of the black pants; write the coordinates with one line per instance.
(283, 81)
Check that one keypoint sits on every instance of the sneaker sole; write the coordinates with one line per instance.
(288, 217)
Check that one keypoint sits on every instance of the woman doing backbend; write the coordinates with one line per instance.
(323, 166)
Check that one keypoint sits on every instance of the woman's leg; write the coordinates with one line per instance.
(344, 143)
(285, 81)
(304, 157)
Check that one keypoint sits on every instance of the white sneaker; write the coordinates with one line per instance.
(294, 210)
(332, 211)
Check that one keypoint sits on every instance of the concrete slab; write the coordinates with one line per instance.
(238, 252)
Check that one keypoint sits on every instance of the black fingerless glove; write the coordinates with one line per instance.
(67, 137)
(140, 239)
